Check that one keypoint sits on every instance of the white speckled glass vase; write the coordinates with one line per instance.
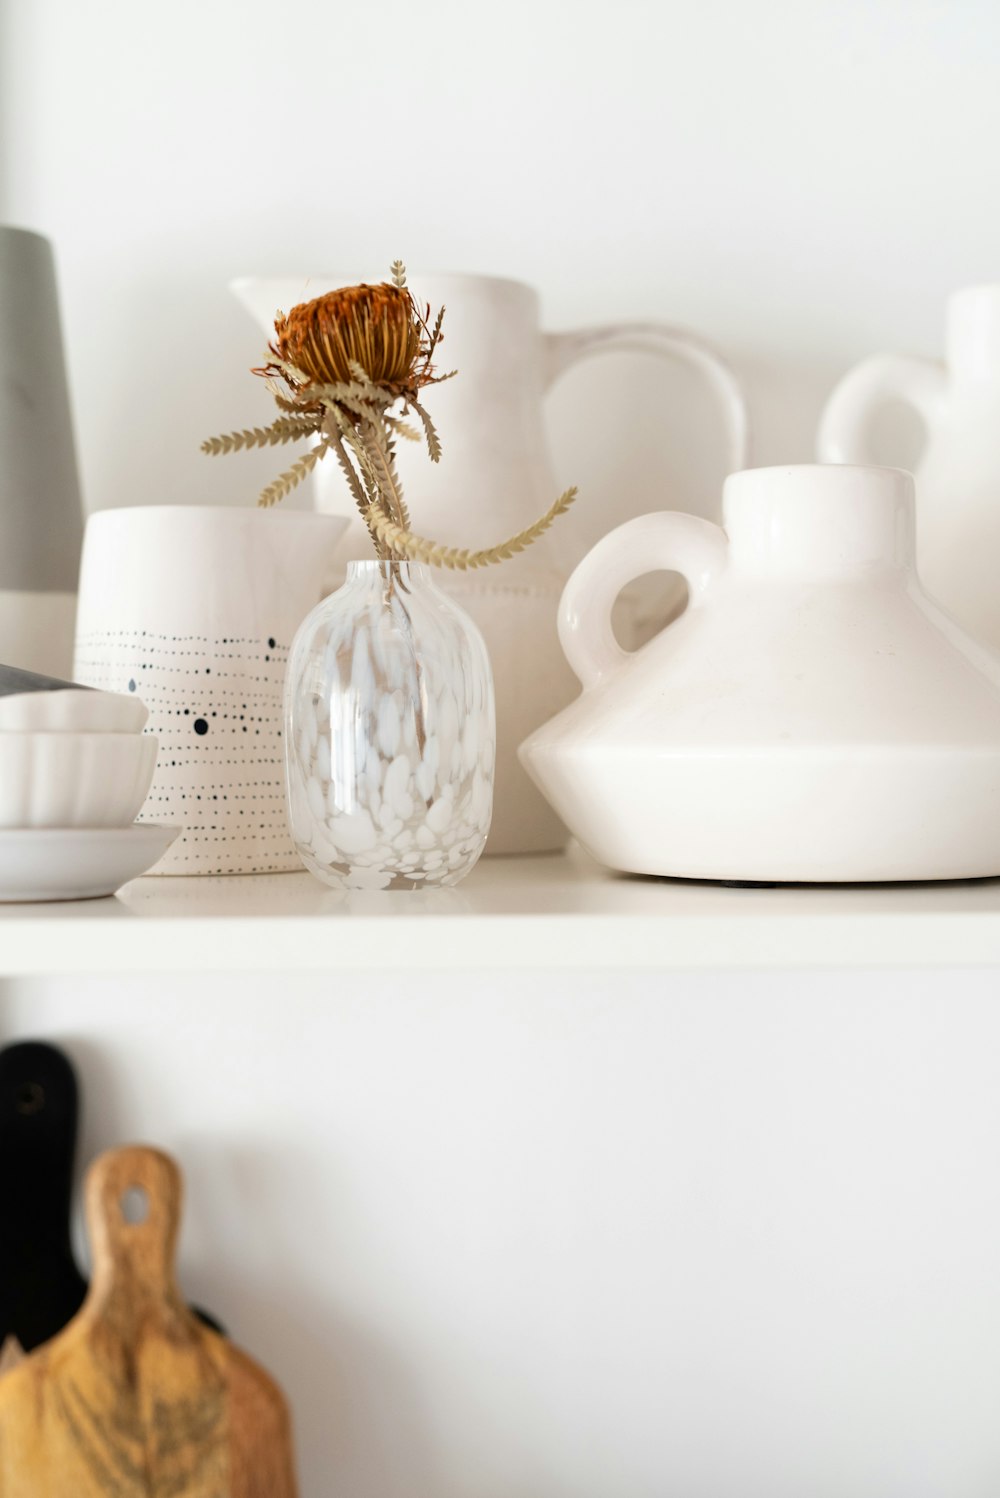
(390, 735)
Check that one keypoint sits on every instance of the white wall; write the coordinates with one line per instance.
(802, 181)
(517, 1245)
(596, 1236)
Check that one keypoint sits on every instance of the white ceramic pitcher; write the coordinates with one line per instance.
(495, 478)
(812, 716)
(958, 476)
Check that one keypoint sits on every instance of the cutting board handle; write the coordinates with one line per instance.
(133, 1206)
(135, 1396)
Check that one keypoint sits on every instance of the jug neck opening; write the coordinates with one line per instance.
(819, 522)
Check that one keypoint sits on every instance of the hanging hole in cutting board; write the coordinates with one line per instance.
(135, 1205)
(29, 1098)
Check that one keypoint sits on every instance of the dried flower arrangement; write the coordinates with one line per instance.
(339, 366)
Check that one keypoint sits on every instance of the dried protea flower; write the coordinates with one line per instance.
(346, 359)
(374, 326)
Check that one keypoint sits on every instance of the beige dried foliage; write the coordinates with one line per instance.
(353, 414)
(402, 429)
(430, 432)
(285, 429)
(402, 543)
(287, 481)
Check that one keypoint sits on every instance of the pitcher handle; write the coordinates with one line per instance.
(845, 425)
(564, 349)
(667, 540)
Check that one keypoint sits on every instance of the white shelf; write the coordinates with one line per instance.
(542, 913)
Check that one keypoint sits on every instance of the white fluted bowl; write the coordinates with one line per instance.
(72, 710)
(74, 779)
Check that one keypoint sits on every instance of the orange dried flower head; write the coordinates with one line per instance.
(374, 326)
(346, 359)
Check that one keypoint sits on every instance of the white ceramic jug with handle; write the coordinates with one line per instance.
(812, 716)
(958, 475)
(496, 478)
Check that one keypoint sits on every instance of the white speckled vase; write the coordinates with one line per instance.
(390, 734)
(193, 608)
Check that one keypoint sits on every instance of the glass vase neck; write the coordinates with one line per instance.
(374, 570)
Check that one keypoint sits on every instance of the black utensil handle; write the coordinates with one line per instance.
(41, 1287)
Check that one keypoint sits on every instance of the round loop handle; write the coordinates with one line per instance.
(564, 349)
(666, 541)
(845, 425)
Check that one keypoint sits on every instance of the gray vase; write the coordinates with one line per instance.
(41, 517)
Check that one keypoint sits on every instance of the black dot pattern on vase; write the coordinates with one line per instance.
(224, 786)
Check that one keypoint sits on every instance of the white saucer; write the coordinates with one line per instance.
(77, 863)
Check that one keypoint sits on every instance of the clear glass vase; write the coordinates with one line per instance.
(390, 736)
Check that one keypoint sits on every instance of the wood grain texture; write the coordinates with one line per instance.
(136, 1398)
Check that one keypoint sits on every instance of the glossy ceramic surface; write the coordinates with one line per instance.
(74, 779)
(77, 863)
(812, 716)
(69, 711)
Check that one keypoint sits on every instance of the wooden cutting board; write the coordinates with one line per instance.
(136, 1398)
(41, 1288)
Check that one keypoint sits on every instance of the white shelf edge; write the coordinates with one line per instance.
(568, 943)
(556, 913)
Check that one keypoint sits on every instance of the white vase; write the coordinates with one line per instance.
(495, 478)
(41, 520)
(958, 475)
(812, 716)
(193, 608)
